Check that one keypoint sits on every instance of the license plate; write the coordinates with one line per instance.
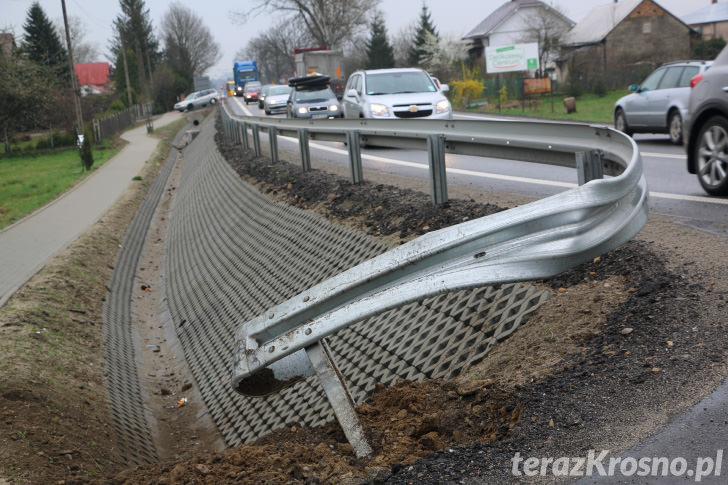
(318, 116)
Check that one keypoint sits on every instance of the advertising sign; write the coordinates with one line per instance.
(509, 58)
(537, 85)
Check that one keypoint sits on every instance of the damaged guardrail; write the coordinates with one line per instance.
(529, 242)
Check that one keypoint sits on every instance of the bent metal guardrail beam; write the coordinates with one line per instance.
(530, 242)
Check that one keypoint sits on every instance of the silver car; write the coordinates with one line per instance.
(198, 99)
(395, 93)
(276, 100)
(706, 127)
(660, 103)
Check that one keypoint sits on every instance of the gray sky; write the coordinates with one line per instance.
(451, 17)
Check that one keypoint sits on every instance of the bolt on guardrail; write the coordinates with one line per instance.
(534, 241)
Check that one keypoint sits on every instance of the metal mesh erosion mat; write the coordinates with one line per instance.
(232, 253)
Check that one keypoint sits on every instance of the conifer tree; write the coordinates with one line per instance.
(424, 27)
(380, 54)
(42, 45)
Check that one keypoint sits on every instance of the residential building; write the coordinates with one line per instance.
(93, 77)
(620, 42)
(711, 21)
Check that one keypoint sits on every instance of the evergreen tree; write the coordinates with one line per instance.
(421, 37)
(42, 45)
(380, 54)
(135, 29)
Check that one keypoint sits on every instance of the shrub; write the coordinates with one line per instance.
(87, 156)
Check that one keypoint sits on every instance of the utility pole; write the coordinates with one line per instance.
(74, 79)
(126, 68)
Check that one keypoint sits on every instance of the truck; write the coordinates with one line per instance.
(243, 73)
(321, 60)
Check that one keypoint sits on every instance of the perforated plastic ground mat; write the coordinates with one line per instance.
(122, 379)
(232, 252)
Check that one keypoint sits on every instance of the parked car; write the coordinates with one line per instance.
(276, 101)
(706, 127)
(660, 103)
(251, 91)
(395, 93)
(312, 97)
(262, 94)
(198, 99)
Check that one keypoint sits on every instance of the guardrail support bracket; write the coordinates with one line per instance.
(244, 135)
(589, 166)
(305, 150)
(336, 391)
(273, 142)
(256, 139)
(438, 176)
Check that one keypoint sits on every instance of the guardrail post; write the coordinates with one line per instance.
(333, 383)
(273, 142)
(305, 150)
(589, 166)
(438, 177)
(352, 140)
(244, 135)
(256, 139)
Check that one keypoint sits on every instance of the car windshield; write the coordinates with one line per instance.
(277, 90)
(313, 94)
(399, 82)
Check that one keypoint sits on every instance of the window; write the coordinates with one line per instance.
(671, 78)
(688, 73)
(652, 80)
(647, 27)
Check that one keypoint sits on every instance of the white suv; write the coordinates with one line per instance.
(395, 93)
(198, 99)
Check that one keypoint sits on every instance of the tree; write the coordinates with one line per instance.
(274, 50)
(424, 28)
(546, 26)
(82, 51)
(379, 52)
(42, 45)
(442, 57)
(134, 31)
(708, 49)
(331, 23)
(188, 45)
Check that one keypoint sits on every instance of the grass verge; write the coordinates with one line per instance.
(29, 181)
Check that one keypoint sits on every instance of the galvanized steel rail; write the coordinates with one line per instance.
(530, 242)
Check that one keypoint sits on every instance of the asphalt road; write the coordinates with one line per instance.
(673, 191)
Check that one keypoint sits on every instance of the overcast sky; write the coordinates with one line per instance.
(451, 17)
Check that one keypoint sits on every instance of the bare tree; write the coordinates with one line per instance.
(401, 43)
(82, 50)
(331, 23)
(274, 50)
(546, 26)
(442, 56)
(189, 45)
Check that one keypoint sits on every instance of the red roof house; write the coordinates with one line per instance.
(93, 77)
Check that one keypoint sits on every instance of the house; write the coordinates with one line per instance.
(619, 42)
(93, 77)
(710, 22)
(517, 22)
(7, 43)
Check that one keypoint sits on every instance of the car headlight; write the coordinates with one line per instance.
(302, 110)
(379, 110)
(334, 107)
(442, 106)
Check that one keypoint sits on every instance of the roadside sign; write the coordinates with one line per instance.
(509, 58)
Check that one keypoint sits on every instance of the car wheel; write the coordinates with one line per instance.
(620, 122)
(675, 124)
(213, 101)
(711, 156)
(190, 107)
(267, 111)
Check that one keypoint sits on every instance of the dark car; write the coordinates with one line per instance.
(250, 93)
(262, 94)
(312, 97)
(660, 103)
(706, 127)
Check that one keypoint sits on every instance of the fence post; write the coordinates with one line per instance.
(305, 150)
(438, 176)
(352, 140)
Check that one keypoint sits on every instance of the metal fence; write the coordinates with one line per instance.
(108, 126)
(530, 242)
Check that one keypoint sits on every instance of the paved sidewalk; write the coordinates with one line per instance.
(27, 245)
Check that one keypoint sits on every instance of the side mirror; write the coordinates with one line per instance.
(444, 88)
(351, 93)
(634, 88)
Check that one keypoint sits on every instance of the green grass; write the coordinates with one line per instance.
(589, 108)
(29, 181)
